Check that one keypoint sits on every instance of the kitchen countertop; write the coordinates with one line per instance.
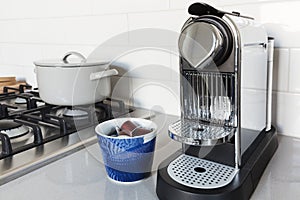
(81, 175)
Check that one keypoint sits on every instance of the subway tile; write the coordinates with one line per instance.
(281, 70)
(145, 63)
(9, 31)
(158, 95)
(58, 51)
(153, 38)
(30, 76)
(33, 31)
(175, 67)
(121, 6)
(94, 30)
(284, 26)
(57, 8)
(252, 10)
(294, 81)
(20, 72)
(145, 29)
(169, 20)
(13, 70)
(10, 70)
(46, 31)
(1, 57)
(74, 30)
(109, 52)
(21, 9)
(184, 4)
(179, 4)
(286, 34)
(122, 89)
(20, 54)
(286, 109)
(15, 9)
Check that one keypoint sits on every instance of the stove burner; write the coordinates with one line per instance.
(75, 113)
(26, 127)
(21, 100)
(13, 129)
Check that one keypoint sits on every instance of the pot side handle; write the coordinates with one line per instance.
(103, 74)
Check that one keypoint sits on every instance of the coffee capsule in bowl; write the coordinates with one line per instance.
(127, 158)
(132, 129)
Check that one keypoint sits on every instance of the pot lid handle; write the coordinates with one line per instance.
(79, 55)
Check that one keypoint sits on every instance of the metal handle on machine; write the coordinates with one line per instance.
(261, 44)
(269, 83)
(200, 9)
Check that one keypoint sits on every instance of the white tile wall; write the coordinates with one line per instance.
(148, 64)
(280, 19)
(170, 20)
(121, 6)
(18, 71)
(58, 51)
(39, 29)
(286, 113)
(158, 95)
(15, 9)
(122, 89)
(20, 54)
(281, 69)
(179, 4)
(294, 81)
(165, 32)
(93, 30)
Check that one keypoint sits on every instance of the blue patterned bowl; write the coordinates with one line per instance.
(127, 159)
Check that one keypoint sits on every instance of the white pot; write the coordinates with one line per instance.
(70, 84)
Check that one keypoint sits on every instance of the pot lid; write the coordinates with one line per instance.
(81, 61)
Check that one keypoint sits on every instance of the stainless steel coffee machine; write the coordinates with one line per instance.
(226, 63)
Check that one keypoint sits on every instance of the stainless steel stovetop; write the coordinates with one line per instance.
(51, 135)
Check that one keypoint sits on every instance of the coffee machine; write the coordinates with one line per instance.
(226, 63)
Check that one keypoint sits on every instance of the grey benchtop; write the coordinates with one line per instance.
(82, 175)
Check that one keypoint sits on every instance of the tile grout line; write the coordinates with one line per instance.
(128, 25)
(289, 71)
(48, 44)
(250, 3)
(285, 93)
(91, 15)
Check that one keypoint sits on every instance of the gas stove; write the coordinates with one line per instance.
(34, 133)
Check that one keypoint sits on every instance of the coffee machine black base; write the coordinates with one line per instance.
(255, 159)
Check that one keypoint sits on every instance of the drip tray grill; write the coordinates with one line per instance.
(197, 133)
(199, 173)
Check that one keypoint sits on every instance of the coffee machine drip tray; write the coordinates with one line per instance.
(200, 133)
(199, 173)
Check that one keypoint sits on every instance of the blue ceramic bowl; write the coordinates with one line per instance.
(127, 159)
